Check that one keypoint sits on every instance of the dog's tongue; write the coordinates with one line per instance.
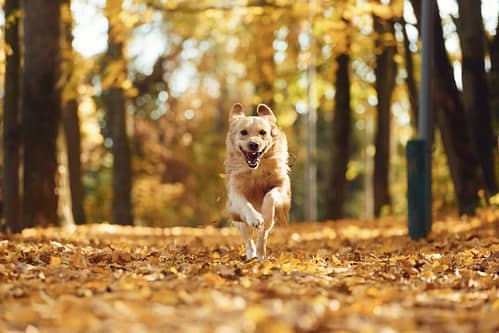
(252, 158)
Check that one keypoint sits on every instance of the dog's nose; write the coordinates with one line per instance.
(253, 146)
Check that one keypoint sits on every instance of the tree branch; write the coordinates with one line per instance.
(187, 9)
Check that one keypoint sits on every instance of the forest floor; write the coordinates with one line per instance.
(347, 276)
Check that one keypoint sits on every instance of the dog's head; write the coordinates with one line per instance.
(252, 136)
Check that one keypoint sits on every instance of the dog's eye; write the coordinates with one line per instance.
(263, 132)
(244, 132)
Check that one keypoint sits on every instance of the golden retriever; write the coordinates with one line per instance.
(257, 176)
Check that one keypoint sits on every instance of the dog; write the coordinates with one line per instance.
(256, 176)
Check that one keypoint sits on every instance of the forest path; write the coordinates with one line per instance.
(364, 276)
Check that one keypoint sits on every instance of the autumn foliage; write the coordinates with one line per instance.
(362, 276)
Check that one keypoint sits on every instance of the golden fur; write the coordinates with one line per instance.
(257, 180)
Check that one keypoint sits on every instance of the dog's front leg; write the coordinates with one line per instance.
(270, 201)
(241, 206)
(246, 232)
(251, 219)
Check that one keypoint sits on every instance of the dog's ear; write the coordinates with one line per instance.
(236, 111)
(264, 111)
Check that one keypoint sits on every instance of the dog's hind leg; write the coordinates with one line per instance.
(246, 232)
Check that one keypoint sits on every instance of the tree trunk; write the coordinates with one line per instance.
(341, 131)
(11, 124)
(386, 70)
(72, 138)
(40, 111)
(122, 173)
(475, 88)
(116, 108)
(453, 124)
(64, 213)
(412, 89)
(71, 122)
(261, 58)
(494, 48)
(494, 77)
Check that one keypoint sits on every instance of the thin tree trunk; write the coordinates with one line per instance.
(223, 102)
(11, 125)
(341, 131)
(386, 70)
(72, 137)
(64, 212)
(40, 111)
(412, 87)
(454, 125)
(222, 105)
(116, 108)
(71, 122)
(122, 173)
(475, 88)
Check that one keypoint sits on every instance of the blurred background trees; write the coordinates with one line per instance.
(141, 89)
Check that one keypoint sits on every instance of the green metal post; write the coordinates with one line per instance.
(419, 207)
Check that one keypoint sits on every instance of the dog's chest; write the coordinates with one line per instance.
(254, 185)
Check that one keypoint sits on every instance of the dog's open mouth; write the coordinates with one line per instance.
(252, 158)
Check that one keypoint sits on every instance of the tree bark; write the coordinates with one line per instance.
(11, 121)
(386, 70)
(341, 131)
(71, 122)
(116, 107)
(40, 111)
(475, 88)
(453, 124)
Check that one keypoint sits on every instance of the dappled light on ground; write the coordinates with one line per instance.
(350, 276)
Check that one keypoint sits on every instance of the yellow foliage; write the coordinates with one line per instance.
(115, 74)
(353, 170)
(151, 198)
(494, 200)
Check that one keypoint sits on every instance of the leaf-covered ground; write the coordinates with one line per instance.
(348, 276)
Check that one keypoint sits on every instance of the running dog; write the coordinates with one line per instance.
(257, 176)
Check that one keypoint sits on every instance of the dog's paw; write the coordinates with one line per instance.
(254, 219)
(250, 256)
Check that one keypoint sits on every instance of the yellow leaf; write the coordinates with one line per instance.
(31, 329)
(278, 327)
(126, 84)
(79, 260)
(256, 313)
(212, 278)
(245, 282)
(55, 261)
